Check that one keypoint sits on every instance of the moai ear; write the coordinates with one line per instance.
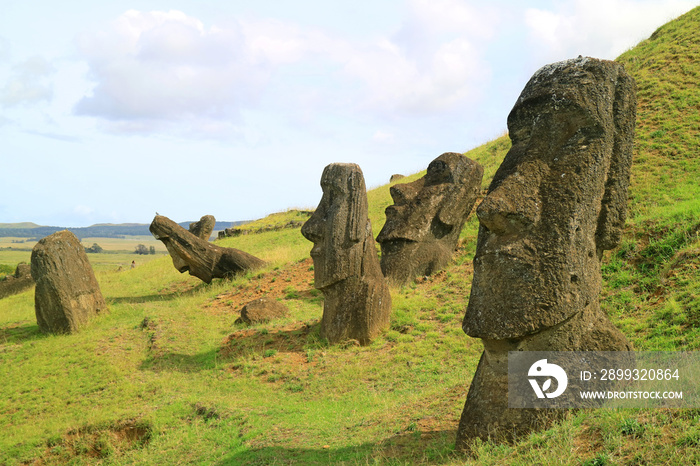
(613, 211)
(460, 200)
(357, 221)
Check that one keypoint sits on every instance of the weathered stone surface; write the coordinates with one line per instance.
(204, 227)
(346, 267)
(67, 295)
(23, 270)
(423, 225)
(556, 202)
(396, 177)
(262, 310)
(20, 281)
(200, 258)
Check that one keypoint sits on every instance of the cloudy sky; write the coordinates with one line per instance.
(112, 110)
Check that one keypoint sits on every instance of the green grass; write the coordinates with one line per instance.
(168, 377)
(276, 221)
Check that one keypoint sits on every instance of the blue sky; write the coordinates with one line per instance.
(113, 110)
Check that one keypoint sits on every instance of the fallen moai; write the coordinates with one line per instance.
(557, 201)
(423, 225)
(357, 302)
(199, 257)
(20, 281)
(203, 227)
(67, 295)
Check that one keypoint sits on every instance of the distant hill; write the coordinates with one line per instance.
(102, 230)
(19, 225)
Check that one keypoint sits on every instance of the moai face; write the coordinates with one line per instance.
(339, 225)
(197, 256)
(423, 225)
(557, 201)
(431, 206)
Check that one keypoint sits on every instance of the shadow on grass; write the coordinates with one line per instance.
(20, 334)
(155, 297)
(431, 447)
(259, 343)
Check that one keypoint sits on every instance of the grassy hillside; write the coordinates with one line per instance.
(168, 377)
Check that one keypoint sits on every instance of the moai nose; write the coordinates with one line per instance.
(506, 211)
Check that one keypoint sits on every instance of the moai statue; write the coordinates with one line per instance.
(20, 281)
(203, 227)
(199, 257)
(346, 267)
(558, 200)
(67, 295)
(423, 226)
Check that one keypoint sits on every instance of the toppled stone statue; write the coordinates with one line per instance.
(557, 201)
(20, 281)
(204, 227)
(67, 295)
(346, 267)
(201, 258)
(423, 226)
(262, 310)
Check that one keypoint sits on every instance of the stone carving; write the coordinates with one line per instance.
(557, 201)
(20, 281)
(67, 295)
(201, 258)
(262, 310)
(204, 227)
(396, 177)
(346, 267)
(423, 226)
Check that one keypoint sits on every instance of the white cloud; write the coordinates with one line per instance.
(28, 83)
(436, 62)
(450, 16)
(169, 72)
(153, 70)
(600, 28)
(167, 66)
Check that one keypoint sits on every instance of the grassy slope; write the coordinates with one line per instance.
(168, 377)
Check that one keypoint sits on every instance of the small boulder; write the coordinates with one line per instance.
(262, 310)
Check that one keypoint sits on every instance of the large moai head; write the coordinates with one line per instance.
(199, 257)
(67, 294)
(557, 201)
(423, 225)
(555, 204)
(339, 226)
(357, 302)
